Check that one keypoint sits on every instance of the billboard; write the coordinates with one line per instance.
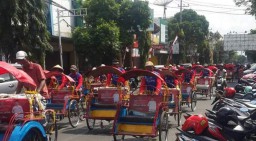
(239, 42)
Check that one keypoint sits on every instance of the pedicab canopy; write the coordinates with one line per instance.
(138, 72)
(197, 67)
(168, 73)
(105, 70)
(49, 74)
(20, 75)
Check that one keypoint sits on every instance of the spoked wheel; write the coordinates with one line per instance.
(33, 135)
(193, 101)
(73, 113)
(53, 136)
(163, 127)
(118, 137)
(51, 127)
(90, 123)
(82, 108)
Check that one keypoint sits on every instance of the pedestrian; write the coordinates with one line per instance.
(35, 71)
(78, 78)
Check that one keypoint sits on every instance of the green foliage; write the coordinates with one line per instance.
(23, 27)
(98, 10)
(110, 28)
(250, 4)
(192, 32)
(144, 45)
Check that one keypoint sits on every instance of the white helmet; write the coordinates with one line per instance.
(21, 55)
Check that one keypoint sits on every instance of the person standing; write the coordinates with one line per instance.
(35, 71)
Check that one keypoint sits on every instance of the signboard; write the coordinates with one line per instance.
(163, 31)
(239, 42)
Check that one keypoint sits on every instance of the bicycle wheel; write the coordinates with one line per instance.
(73, 113)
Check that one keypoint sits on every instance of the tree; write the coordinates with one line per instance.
(250, 4)
(99, 40)
(123, 18)
(23, 27)
(192, 32)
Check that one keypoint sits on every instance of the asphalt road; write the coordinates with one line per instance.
(67, 133)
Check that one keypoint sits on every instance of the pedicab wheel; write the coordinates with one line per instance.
(33, 135)
(118, 137)
(50, 136)
(90, 123)
(51, 126)
(163, 127)
(179, 114)
(193, 101)
(73, 113)
(82, 108)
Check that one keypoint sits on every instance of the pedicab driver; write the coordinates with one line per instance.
(150, 83)
(58, 72)
(78, 78)
(112, 78)
(35, 71)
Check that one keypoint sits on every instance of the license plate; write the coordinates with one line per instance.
(218, 85)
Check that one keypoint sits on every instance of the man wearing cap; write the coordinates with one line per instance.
(61, 78)
(112, 78)
(35, 71)
(150, 83)
(77, 77)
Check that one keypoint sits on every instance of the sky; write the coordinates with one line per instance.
(223, 15)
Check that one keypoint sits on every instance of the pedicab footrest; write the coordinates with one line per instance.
(185, 96)
(137, 119)
(202, 87)
(54, 106)
(103, 106)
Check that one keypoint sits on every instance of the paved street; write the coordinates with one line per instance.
(67, 133)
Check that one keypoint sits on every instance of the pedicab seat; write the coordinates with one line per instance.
(202, 87)
(137, 119)
(54, 106)
(104, 106)
(203, 83)
(108, 97)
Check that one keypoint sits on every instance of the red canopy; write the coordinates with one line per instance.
(20, 75)
(138, 72)
(105, 70)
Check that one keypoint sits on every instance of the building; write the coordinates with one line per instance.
(67, 24)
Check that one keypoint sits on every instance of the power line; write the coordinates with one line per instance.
(212, 6)
(201, 2)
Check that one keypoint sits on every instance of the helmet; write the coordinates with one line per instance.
(248, 89)
(196, 123)
(223, 115)
(149, 63)
(21, 55)
(230, 92)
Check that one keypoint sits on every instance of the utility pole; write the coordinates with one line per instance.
(181, 6)
(81, 12)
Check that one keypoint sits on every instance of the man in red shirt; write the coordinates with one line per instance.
(35, 71)
(78, 78)
(57, 72)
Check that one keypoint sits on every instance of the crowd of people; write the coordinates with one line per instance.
(55, 78)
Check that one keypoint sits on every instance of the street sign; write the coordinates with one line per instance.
(239, 42)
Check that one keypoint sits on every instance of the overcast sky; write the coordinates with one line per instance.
(223, 15)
